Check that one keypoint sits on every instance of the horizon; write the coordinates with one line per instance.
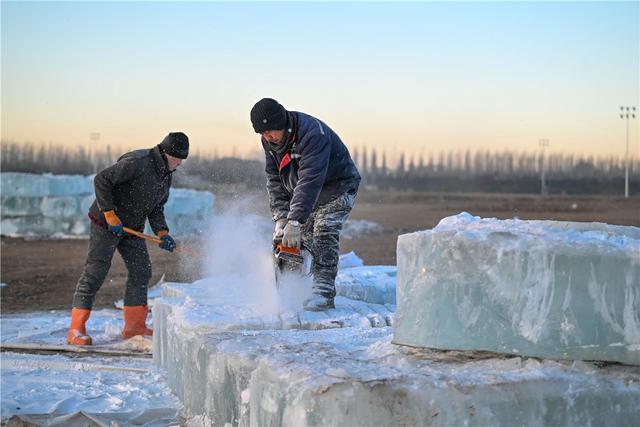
(359, 154)
(418, 78)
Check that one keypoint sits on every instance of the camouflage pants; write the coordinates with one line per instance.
(102, 246)
(321, 235)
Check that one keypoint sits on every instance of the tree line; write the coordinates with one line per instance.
(482, 163)
(452, 171)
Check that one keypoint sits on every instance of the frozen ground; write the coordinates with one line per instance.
(59, 385)
(49, 386)
(50, 329)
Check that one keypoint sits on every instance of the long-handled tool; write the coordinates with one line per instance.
(157, 240)
(148, 237)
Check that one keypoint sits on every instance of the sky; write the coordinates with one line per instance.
(414, 77)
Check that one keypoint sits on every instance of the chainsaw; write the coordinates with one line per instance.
(291, 261)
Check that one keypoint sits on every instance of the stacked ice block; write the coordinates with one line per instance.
(57, 206)
(231, 359)
(557, 290)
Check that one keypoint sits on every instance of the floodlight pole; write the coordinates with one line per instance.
(627, 113)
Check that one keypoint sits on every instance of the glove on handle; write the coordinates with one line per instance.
(113, 223)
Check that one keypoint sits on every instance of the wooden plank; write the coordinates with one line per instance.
(77, 350)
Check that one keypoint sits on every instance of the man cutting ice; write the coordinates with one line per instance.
(312, 184)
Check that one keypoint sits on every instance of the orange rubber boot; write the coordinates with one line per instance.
(77, 333)
(134, 321)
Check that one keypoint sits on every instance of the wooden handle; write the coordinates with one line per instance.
(154, 239)
(142, 235)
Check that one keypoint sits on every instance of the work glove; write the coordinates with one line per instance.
(114, 224)
(168, 244)
(291, 235)
(279, 231)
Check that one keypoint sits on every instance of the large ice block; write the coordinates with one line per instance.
(34, 185)
(356, 377)
(231, 361)
(560, 290)
(373, 284)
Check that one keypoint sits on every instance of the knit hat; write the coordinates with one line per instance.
(176, 144)
(268, 114)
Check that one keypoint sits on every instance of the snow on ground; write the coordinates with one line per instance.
(59, 384)
(50, 328)
(121, 388)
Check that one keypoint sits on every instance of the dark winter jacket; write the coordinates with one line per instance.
(136, 187)
(315, 170)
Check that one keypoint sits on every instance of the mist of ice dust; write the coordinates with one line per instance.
(240, 251)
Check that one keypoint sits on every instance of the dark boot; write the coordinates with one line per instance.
(322, 298)
(135, 318)
(77, 332)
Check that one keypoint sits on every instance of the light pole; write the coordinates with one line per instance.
(543, 143)
(627, 113)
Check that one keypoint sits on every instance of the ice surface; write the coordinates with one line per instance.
(560, 290)
(57, 206)
(120, 388)
(33, 185)
(230, 359)
(350, 259)
(50, 328)
(356, 377)
(54, 385)
(373, 284)
(226, 303)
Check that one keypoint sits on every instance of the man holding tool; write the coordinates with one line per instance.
(312, 184)
(128, 193)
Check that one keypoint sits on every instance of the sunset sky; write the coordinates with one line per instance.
(413, 77)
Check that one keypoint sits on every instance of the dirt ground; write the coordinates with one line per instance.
(42, 274)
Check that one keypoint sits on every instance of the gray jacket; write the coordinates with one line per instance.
(136, 188)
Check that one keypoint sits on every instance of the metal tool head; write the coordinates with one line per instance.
(291, 261)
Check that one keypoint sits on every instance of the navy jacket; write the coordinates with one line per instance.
(317, 169)
(136, 187)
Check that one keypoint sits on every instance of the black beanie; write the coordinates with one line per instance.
(176, 144)
(268, 114)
